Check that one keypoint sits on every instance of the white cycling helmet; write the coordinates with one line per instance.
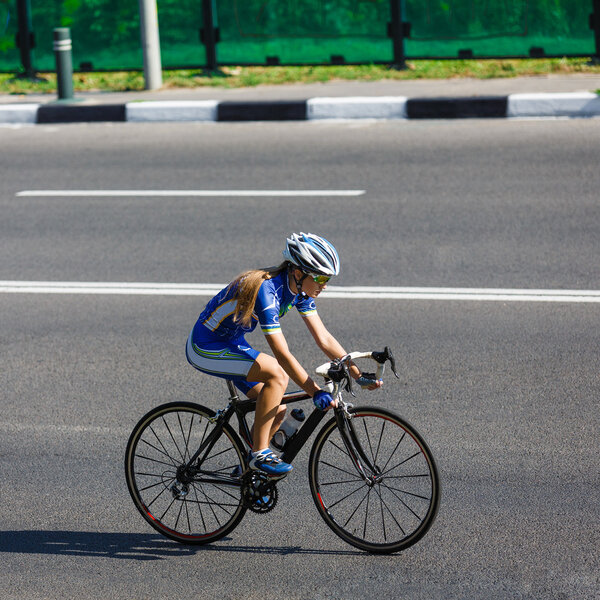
(312, 254)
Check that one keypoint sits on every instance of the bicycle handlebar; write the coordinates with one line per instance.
(337, 370)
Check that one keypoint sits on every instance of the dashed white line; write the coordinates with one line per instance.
(49, 428)
(188, 193)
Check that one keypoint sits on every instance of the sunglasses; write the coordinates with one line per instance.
(320, 279)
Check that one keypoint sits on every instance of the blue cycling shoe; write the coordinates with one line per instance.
(268, 463)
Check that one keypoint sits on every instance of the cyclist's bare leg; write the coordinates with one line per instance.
(267, 371)
(253, 395)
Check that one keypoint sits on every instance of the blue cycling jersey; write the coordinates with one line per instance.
(274, 300)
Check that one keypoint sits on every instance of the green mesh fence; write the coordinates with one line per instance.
(106, 35)
(496, 28)
(313, 31)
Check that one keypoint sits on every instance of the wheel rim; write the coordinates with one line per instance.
(189, 505)
(397, 505)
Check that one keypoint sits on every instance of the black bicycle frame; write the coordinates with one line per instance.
(241, 408)
(297, 441)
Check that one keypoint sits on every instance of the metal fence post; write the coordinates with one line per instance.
(209, 34)
(397, 30)
(64, 62)
(595, 25)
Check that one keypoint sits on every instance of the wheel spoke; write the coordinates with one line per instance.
(366, 516)
(383, 503)
(402, 462)
(357, 507)
(164, 452)
(187, 515)
(154, 460)
(346, 497)
(382, 517)
(183, 435)
(168, 428)
(393, 452)
(199, 508)
(167, 509)
(408, 476)
(405, 504)
(338, 468)
(355, 480)
(342, 449)
(179, 515)
(389, 487)
(153, 485)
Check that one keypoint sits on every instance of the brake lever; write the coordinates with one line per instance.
(348, 386)
(383, 357)
(338, 372)
(390, 357)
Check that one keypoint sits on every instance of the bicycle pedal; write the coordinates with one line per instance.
(277, 477)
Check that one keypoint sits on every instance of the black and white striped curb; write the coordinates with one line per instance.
(585, 104)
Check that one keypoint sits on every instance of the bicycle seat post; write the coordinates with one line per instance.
(233, 395)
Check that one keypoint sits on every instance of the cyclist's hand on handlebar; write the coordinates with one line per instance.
(369, 381)
(324, 400)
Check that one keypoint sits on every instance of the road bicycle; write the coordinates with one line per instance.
(372, 476)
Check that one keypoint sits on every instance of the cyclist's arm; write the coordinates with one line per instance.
(328, 344)
(290, 364)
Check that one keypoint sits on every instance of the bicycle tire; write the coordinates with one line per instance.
(397, 508)
(164, 440)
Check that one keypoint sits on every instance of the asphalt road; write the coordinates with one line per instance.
(505, 393)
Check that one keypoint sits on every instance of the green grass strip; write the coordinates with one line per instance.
(239, 77)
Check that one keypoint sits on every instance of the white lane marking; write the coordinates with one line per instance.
(43, 429)
(472, 294)
(75, 287)
(361, 292)
(188, 193)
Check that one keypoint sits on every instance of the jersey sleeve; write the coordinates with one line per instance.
(267, 307)
(307, 307)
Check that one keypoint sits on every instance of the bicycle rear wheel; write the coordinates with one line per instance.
(397, 504)
(193, 506)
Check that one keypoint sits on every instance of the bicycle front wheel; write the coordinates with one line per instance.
(192, 505)
(394, 501)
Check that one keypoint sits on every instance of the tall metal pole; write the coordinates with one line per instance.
(25, 40)
(150, 44)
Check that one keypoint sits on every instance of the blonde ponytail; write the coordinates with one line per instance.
(247, 285)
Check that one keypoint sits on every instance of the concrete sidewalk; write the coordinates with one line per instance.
(542, 96)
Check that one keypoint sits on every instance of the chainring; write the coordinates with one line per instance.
(259, 493)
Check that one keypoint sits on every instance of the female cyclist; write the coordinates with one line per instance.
(217, 345)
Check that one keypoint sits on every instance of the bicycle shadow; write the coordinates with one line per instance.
(132, 546)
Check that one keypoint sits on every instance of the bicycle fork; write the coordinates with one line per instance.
(355, 449)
